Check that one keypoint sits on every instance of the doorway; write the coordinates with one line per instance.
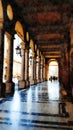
(53, 70)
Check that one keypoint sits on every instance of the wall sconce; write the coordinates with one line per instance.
(18, 50)
(30, 57)
(37, 62)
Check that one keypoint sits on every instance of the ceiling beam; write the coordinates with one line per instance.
(40, 9)
(44, 8)
(40, 29)
(52, 52)
(38, 22)
(54, 56)
(49, 49)
(50, 46)
(42, 2)
(50, 42)
(50, 36)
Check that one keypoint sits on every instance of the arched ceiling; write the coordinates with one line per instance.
(48, 22)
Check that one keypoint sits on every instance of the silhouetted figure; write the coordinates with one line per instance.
(51, 78)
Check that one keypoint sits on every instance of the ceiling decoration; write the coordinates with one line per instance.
(48, 23)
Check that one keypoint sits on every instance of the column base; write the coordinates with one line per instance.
(10, 88)
(44, 80)
(41, 80)
(70, 92)
(35, 81)
(32, 82)
(2, 89)
(38, 80)
(21, 84)
(27, 83)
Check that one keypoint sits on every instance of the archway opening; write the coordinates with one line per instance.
(53, 70)
(16, 61)
(53, 88)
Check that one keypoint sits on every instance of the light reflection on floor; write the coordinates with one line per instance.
(34, 109)
(53, 90)
(29, 100)
(16, 102)
(15, 106)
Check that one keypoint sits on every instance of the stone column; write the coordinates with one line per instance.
(43, 69)
(31, 79)
(2, 85)
(42, 72)
(39, 70)
(69, 78)
(27, 68)
(34, 69)
(9, 83)
(21, 83)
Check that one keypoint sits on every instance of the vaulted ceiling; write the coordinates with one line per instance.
(48, 23)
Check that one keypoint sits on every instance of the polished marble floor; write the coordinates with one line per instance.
(36, 108)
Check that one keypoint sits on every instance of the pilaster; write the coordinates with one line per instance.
(2, 85)
(22, 83)
(9, 83)
(34, 70)
(27, 68)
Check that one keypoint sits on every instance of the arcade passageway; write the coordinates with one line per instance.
(36, 108)
(36, 61)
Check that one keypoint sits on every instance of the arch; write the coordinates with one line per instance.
(1, 14)
(31, 44)
(38, 52)
(53, 62)
(19, 30)
(9, 11)
(27, 37)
